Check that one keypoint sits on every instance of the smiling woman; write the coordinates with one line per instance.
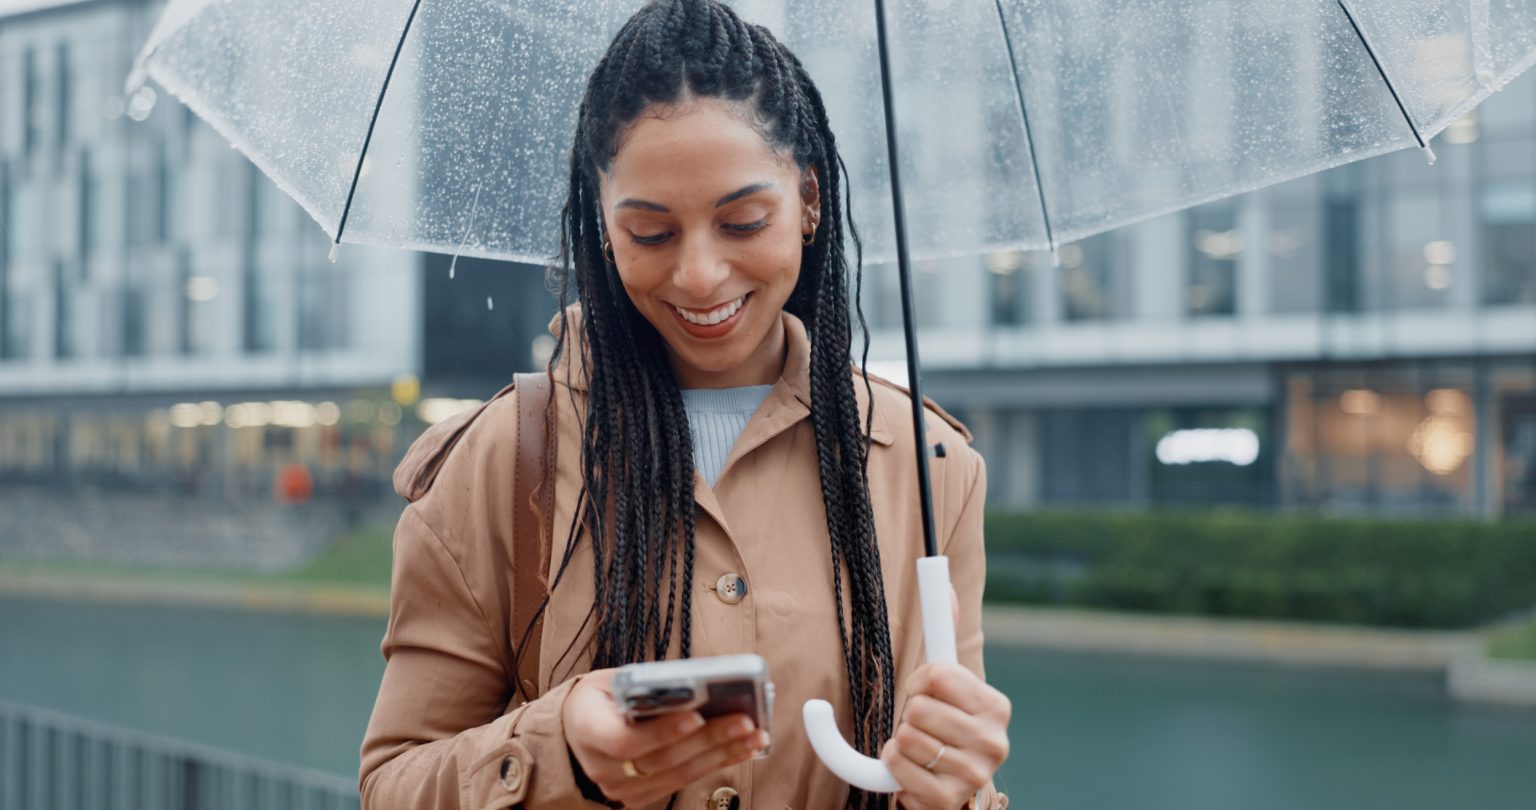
(703, 243)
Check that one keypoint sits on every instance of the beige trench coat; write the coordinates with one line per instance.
(442, 734)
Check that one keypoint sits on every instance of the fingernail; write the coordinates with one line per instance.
(693, 722)
(744, 725)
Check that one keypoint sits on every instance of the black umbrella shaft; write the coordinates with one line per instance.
(904, 271)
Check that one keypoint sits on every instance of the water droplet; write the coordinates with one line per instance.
(488, 303)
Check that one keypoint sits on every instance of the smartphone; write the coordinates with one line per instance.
(715, 686)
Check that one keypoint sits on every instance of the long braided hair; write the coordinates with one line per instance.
(637, 457)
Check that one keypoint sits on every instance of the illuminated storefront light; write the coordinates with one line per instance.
(1360, 402)
(1443, 441)
(1448, 401)
(1441, 444)
(248, 414)
(293, 414)
(436, 409)
(187, 415)
(1239, 446)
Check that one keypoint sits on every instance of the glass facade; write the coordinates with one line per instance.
(228, 450)
(1092, 279)
(1215, 244)
(1389, 304)
(169, 320)
(1438, 439)
(1506, 210)
(1389, 438)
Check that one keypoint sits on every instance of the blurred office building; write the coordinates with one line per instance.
(170, 325)
(1361, 341)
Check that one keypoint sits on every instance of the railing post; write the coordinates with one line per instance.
(10, 761)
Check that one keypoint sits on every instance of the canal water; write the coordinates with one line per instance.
(1100, 732)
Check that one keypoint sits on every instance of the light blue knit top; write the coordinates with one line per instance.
(716, 417)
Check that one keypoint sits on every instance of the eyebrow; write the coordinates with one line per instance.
(744, 191)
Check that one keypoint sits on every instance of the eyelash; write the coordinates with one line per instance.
(739, 230)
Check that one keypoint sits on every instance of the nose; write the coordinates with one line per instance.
(701, 268)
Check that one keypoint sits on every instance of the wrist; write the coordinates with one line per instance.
(589, 789)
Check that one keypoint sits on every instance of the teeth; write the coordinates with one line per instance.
(712, 317)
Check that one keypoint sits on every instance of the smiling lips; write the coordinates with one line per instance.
(714, 322)
(713, 316)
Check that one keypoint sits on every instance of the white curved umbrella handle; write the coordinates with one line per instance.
(933, 592)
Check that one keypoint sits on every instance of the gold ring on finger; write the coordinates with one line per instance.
(933, 763)
(634, 771)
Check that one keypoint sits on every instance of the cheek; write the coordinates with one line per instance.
(640, 274)
(777, 261)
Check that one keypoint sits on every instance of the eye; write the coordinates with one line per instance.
(650, 240)
(747, 228)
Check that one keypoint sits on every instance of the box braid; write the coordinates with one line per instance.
(637, 456)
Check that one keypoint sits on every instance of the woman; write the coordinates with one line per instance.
(721, 483)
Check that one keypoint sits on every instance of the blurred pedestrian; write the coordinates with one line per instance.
(293, 484)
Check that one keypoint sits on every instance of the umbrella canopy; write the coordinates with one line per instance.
(1023, 123)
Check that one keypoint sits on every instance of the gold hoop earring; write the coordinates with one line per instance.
(608, 251)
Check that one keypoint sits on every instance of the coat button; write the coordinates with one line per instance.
(731, 588)
(724, 798)
(511, 772)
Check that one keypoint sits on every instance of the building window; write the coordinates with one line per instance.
(132, 323)
(32, 103)
(63, 89)
(197, 293)
(1009, 274)
(1506, 213)
(21, 221)
(15, 322)
(259, 306)
(322, 306)
(1515, 388)
(1341, 254)
(1092, 286)
(167, 197)
(5, 260)
(1294, 244)
(63, 313)
(89, 219)
(1215, 244)
(1422, 261)
(137, 225)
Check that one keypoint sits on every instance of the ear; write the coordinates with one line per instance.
(810, 196)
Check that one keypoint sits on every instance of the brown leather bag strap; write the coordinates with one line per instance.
(533, 499)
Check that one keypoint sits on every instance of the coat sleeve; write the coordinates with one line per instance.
(442, 734)
(966, 550)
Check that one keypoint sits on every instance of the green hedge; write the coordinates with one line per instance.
(1392, 573)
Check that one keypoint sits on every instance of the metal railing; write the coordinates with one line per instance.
(52, 761)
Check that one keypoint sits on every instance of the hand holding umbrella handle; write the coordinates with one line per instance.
(934, 592)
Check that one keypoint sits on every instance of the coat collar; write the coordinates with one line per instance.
(792, 391)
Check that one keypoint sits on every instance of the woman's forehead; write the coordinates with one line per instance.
(697, 148)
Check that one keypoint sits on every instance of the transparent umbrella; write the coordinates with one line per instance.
(1022, 124)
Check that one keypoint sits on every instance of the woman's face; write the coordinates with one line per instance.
(706, 220)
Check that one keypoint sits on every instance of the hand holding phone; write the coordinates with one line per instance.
(637, 762)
